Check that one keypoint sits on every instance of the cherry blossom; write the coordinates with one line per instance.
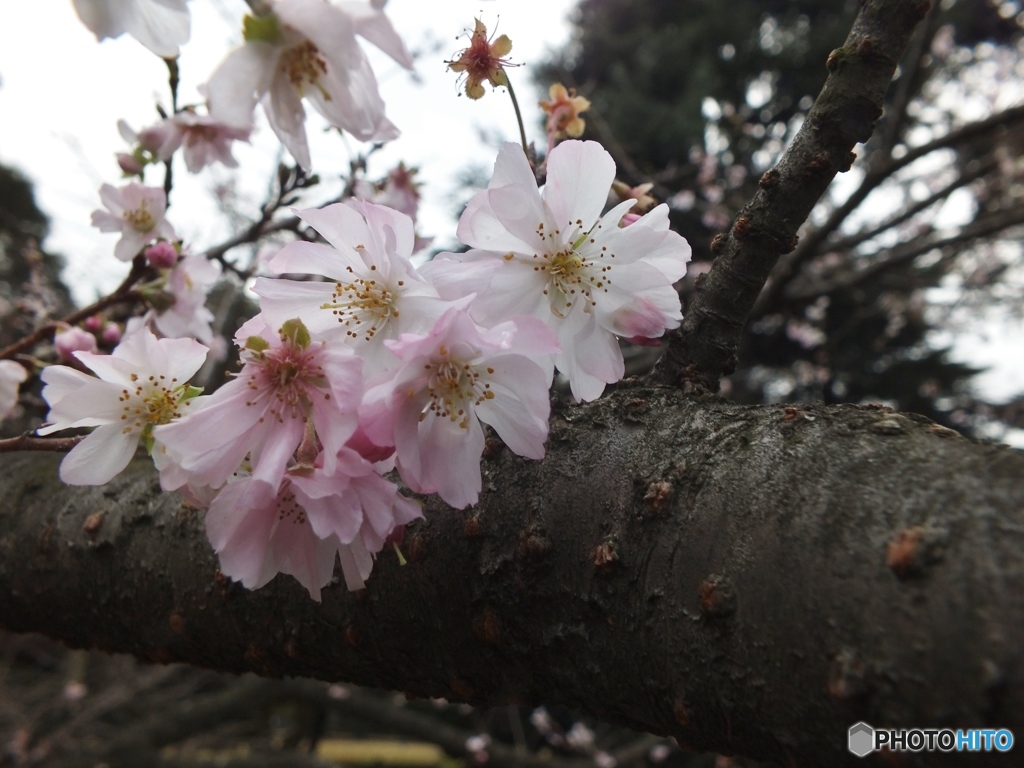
(160, 25)
(137, 212)
(452, 379)
(187, 283)
(553, 255)
(203, 140)
(375, 293)
(12, 374)
(142, 384)
(298, 528)
(308, 49)
(286, 380)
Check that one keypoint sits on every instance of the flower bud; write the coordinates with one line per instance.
(73, 340)
(129, 164)
(162, 255)
(112, 334)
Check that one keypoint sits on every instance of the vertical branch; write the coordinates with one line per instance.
(173, 80)
(844, 114)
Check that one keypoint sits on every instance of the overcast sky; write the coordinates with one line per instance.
(62, 94)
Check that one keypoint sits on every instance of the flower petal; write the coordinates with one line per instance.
(580, 173)
(100, 457)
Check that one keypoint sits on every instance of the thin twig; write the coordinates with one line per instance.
(31, 442)
(788, 266)
(123, 294)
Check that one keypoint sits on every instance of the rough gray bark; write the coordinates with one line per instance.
(747, 579)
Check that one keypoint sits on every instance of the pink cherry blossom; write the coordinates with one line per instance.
(285, 381)
(452, 379)
(375, 293)
(160, 25)
(137, 212)
(142, 384)
(203, 140)
(554, 256)
(308, 49)
(12, 374)
(297, 529)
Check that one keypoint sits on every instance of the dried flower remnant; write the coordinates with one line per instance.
(483, 60)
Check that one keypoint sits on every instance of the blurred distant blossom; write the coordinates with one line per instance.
(204, 140)
(160, 25)
(137, 212)
(188, 282)
(12, 374)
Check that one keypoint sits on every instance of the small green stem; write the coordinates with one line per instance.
(519, 115)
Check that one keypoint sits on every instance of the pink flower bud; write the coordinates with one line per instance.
(73, 340)
(162, 255)
(112, 334)
(129, 164)
(152, 139)
(93, 324)
(629, 218)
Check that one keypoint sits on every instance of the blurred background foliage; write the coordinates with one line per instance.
(702, 101)
(917, 242)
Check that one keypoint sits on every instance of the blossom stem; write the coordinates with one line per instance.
(519, 115)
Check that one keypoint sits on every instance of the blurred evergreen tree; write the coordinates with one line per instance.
(30, 284)
(701, 98)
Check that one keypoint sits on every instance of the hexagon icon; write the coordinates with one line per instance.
(861, 739)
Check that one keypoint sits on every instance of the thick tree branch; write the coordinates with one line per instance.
(748, 580)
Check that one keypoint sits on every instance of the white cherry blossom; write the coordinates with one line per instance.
(553, 255)
(375, 293)
(142, 384)
(137, 212)
(308, 49)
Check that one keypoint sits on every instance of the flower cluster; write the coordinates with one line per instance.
(360, 363)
